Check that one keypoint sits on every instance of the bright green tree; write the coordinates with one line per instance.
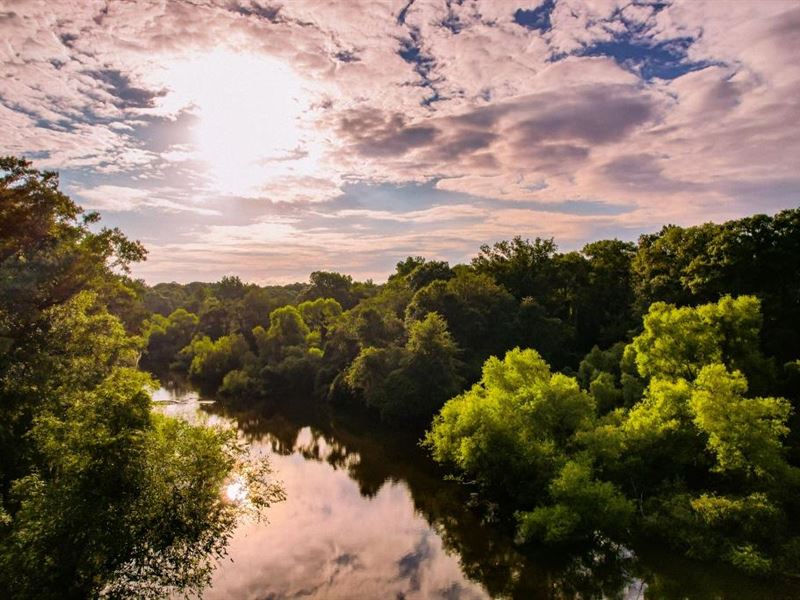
(509, 432)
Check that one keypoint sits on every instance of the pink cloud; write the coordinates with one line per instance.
(461, 95)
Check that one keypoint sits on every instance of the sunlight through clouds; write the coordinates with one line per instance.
(232, 114)
(249, 111)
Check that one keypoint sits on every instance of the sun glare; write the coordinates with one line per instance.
(236, 492)
(249, 109)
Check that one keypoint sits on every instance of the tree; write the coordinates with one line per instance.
(48, 252)
(582, 506)
(325, 284)
(215, 318)
(211, 360)
(610, 296)
(679, 342)
(693, 458)
(757, 255)
(743, 433)
(229, 288)
(428, 272)
(523, 267)
(320, 314)
(405, 267)
(287, 329)
(509, 431)
(409, 383)
(165, 337)
(374, 328)
(97, 493)
(661, 260)
(479, 313)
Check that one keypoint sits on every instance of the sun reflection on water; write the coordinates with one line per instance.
(236, 491)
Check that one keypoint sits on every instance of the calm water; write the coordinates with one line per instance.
(368, 515)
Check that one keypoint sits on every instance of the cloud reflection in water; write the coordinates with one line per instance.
(329, 541)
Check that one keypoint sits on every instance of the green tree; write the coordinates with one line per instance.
(412, 382)
(405, 267)
(757, 255)
(326, 284)
(608, 315)
(743, 433)
(320, 314)
(428, 272)
(229, 288)
(510, 430)
(211, 359)
(679, 342)
(97, 494)
(215, 318)
(479, 313)
(166, 337)
(287, 329)
(523, 267)
(582, 506)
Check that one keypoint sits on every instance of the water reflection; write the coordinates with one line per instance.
(368, 515)
(329, 539)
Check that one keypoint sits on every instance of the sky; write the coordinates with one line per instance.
(271, 139)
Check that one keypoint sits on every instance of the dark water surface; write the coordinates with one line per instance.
(368, 515)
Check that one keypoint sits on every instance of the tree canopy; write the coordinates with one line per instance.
(98, 493)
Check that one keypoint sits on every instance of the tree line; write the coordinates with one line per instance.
(645, 387)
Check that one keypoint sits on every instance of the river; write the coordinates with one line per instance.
(368, 515)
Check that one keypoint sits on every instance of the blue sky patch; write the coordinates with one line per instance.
(537, 18)
(663, 60)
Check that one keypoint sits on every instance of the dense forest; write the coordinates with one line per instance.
(625, 390)
(645, 387)
(99, 495)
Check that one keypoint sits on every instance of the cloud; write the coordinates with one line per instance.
(676, 111)
(434, 214)
(124, 199)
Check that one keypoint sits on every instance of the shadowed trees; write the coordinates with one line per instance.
(98, 494)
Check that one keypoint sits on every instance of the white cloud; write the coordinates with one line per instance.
(126, 199)
(475, 102)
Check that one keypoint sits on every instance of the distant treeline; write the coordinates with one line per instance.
(343, 339)
(645, 387)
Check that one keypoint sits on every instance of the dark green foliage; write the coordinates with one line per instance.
(608, 314)
(216, 318)
(405, 267)
(479, 313)
(210, 361)
(568, 301)
(48, 252)
(98, 494)
(166, 337)
(552, 338)
(411, 382)
(429, 272)
(523, 267)
(339, 287)
(582, 505)
(599, 361)
(758, 255)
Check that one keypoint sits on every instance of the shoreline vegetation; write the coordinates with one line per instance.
(625, 390)
(100, 496)
(648, 387)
